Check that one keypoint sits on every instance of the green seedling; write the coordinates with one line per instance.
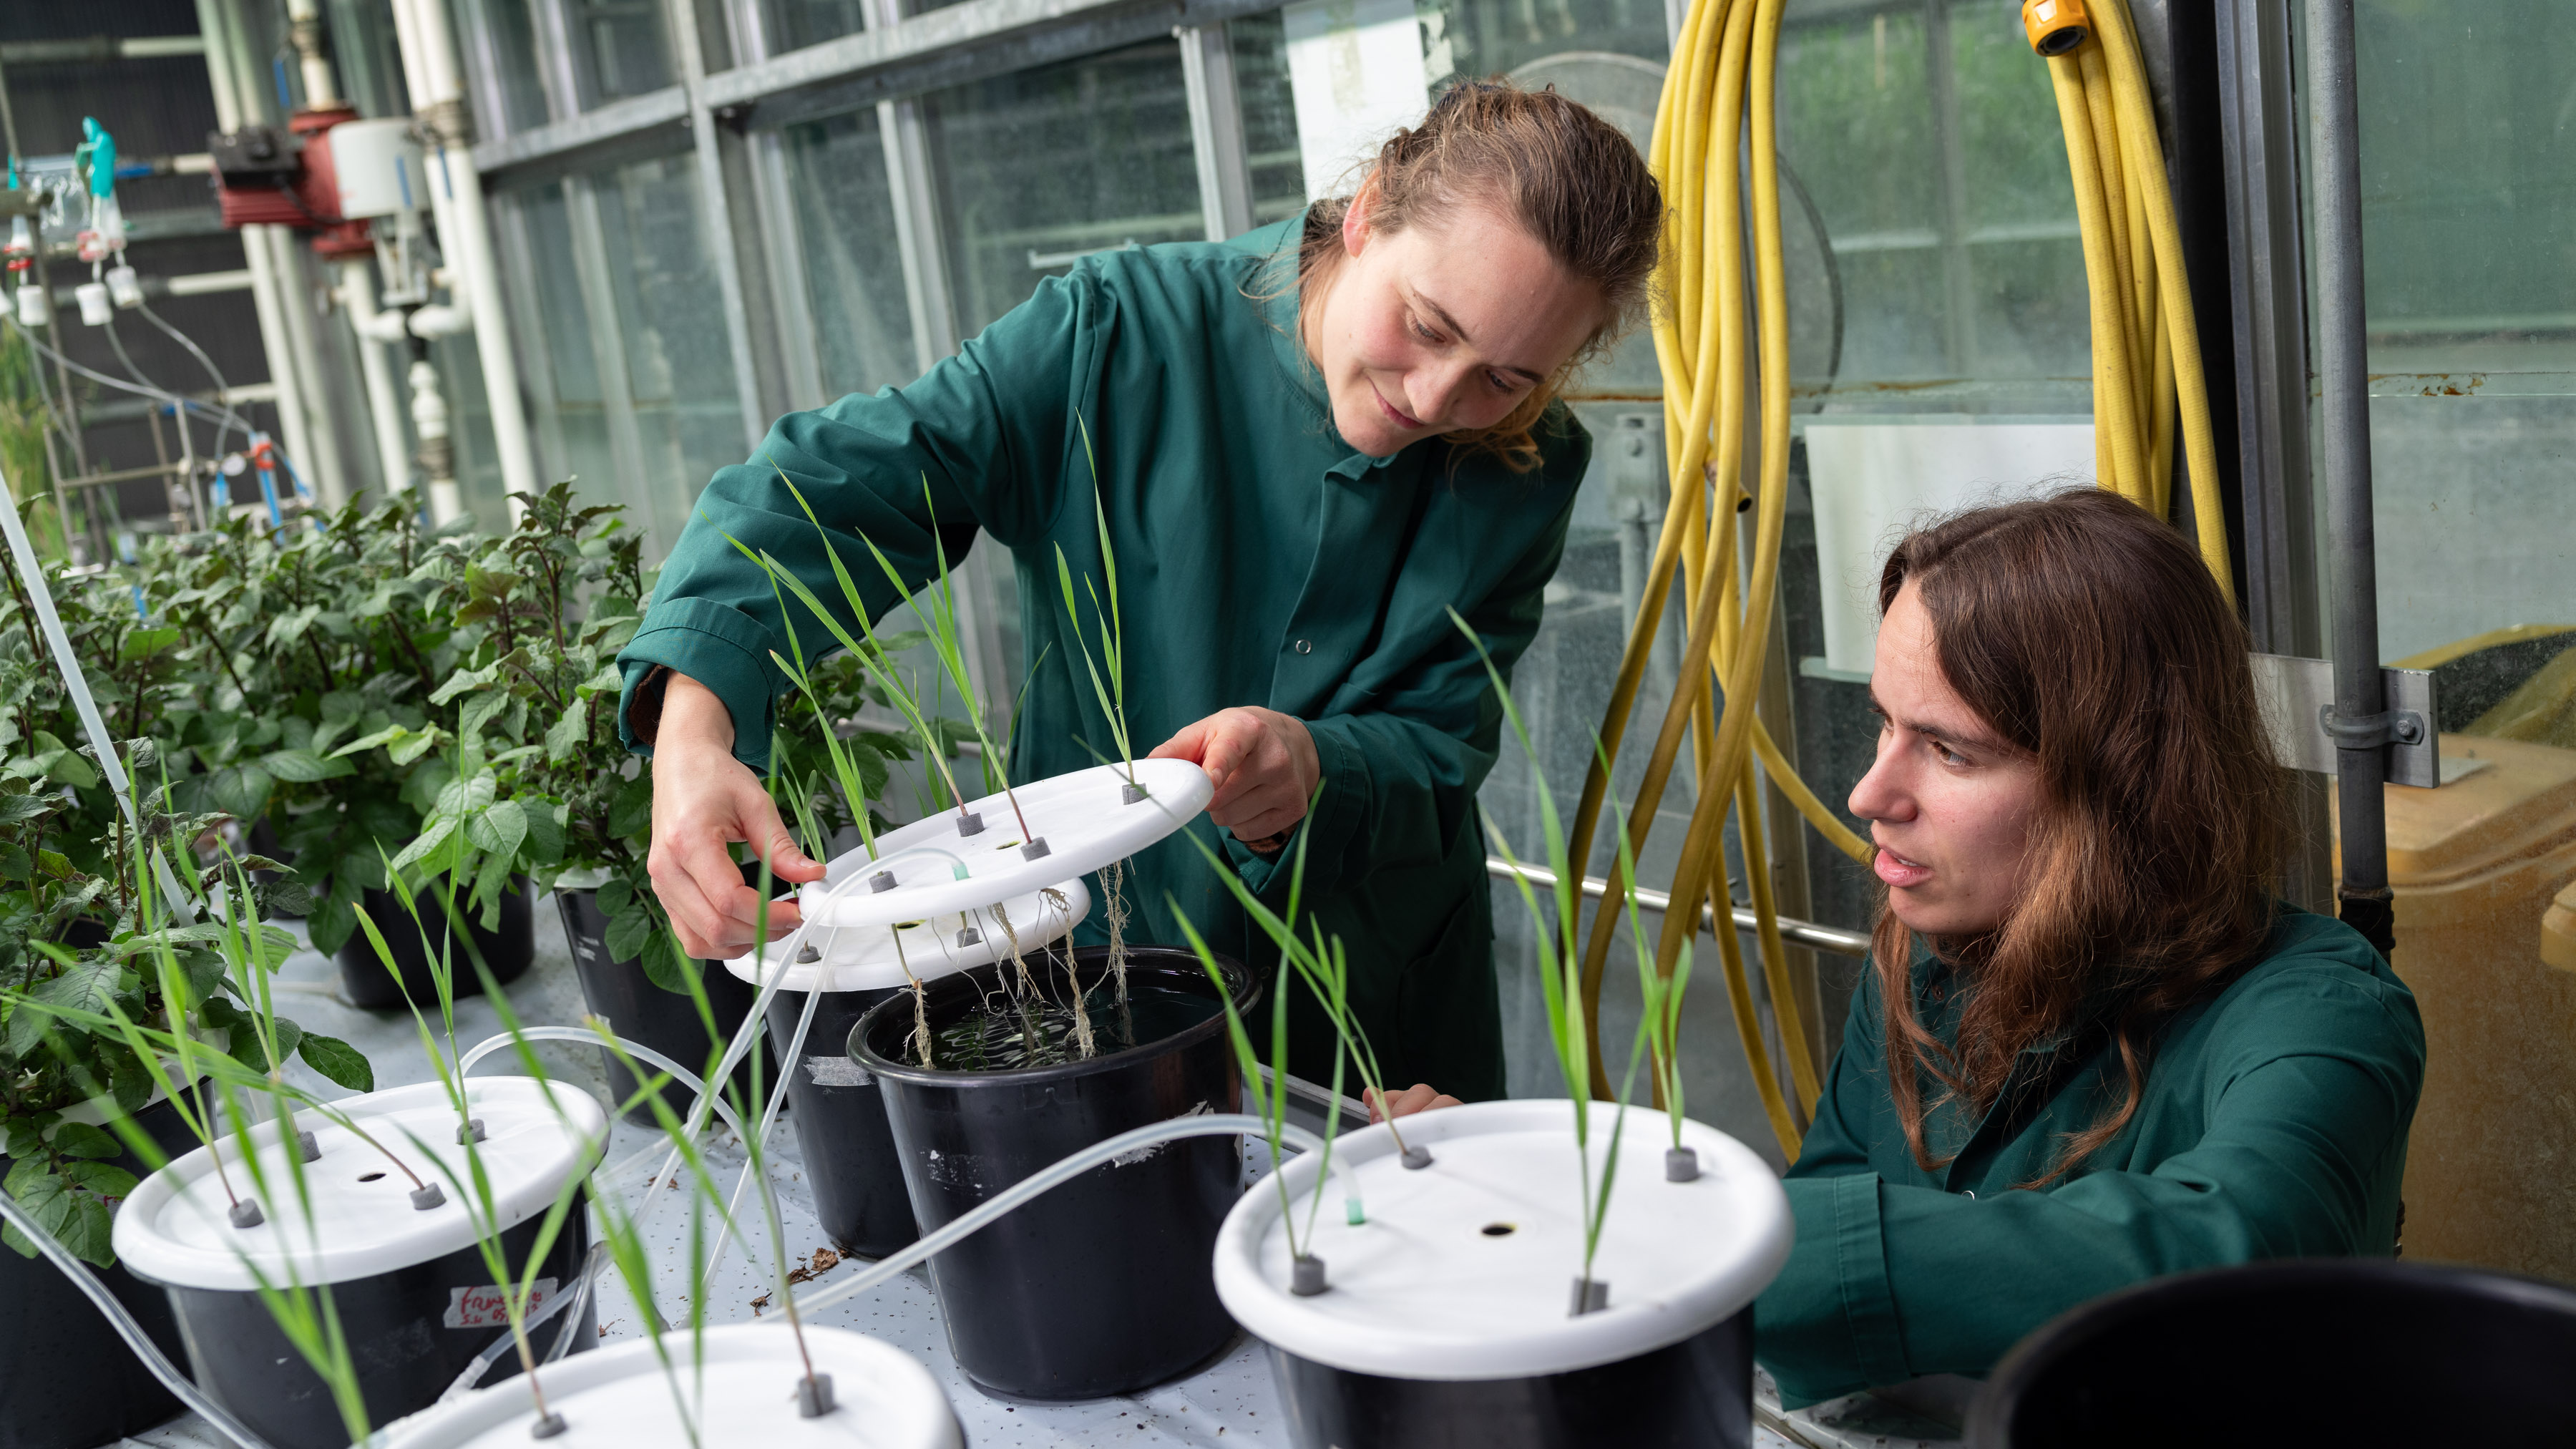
(1110, 691)
(1561, 984)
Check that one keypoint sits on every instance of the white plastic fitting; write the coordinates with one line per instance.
(124, 288)
(33, 310)
(96, 310)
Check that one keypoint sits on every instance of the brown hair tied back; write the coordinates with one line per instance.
(2089, 635)
(1569, 178)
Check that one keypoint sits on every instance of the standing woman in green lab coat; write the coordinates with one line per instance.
(1312, 443)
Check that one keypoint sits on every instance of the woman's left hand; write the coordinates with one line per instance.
(1263, 765)
(1420, 1097)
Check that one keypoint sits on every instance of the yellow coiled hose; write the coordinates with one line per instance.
(1722, 78)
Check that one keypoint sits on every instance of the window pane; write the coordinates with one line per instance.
(795, 24)
(501, 55)
(1040, 167)
(1260, 45)
(2469, 240)
(1462, 38)
(623, 48)
(853, 267)
(679, 364)
(572, 414)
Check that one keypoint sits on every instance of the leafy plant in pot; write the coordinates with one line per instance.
(86, 1107)
(547, 608)
(1448, 1319)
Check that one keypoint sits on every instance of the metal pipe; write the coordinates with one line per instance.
(2360, 722)
(384, 405)
(465, 228)
(1803, 933)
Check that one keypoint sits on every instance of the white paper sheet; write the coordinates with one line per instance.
(1875, 479)
(1355, 72)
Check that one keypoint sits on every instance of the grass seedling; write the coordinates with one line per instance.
(1111, 692)
(1561, 983)
(1270, 1103)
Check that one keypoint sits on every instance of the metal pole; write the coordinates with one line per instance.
(2360, 720)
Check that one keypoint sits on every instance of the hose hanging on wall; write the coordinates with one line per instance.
(2146, 346)
(2147, 379)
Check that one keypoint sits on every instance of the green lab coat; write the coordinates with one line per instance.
(2273, 1126)
(1261, 561)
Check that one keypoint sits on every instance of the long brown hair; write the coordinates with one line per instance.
(2089, 636)
(1569, 178)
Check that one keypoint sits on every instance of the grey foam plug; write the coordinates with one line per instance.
(1681, 1164)
(814, 1396)
(427, 1196)
(246, 1214)
(1306, 1276)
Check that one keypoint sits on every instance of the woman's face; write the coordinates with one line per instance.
(1442, 327)
(1949, 804)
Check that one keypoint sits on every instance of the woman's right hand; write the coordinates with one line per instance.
(1420, 1097)
(704, 800)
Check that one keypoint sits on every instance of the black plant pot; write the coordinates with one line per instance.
(2321, 1351)
(666, 1021)
(401, 1334)
(1104, 1285)
(1695, 1394)
(67, 1381)
(507, 949)
(839, 1111)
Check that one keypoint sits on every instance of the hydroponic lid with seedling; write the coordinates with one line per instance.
(364, 1214)
(729, 1385)
(1077, 823)
(1463, 1269)
(835, 957)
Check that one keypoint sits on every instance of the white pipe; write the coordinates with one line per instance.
(384, 406)
(465, 229)
(304, 24)
(231, 110)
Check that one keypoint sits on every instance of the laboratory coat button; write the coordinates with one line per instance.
(1305, 646)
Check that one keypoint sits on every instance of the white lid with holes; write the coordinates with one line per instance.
(738, 1386)
(1085, 819)
(865, 958)
(537, 1135)
(1465, 1269)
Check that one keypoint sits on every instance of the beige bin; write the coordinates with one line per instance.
(2491, 1166)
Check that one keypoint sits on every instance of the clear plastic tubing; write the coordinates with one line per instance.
(1222, 1125)
(127, 1329)
(587, 1037)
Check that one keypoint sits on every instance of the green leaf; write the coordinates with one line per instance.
(363, 743)
(336, 919)
(566, 736)
(498, 828)
(461, 798)
(343, 704)
(628, 930)
(545, 843)
(614, 896)
(412, 747)
(248, 1050)
(479, 711)
(79, 1139)
(337, 1061)
(68, 768)
(240, 791)
(631, 812)
(431, 838)
(77, 1218)
(664, 966)
(304, 767)
(144, 643)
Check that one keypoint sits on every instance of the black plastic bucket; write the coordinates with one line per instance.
(67, 1381)
(1104, 1285)
(507, 950)
(410, 1332)
(839, 1112)
(1695, 1394)
(638, 1010)
(2321, 1351)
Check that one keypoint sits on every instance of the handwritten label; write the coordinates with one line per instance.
(486, 1305)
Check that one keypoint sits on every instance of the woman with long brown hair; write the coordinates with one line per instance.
(2094, 1047)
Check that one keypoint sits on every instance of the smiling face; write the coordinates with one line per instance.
(1442, 327)
(1950, 804)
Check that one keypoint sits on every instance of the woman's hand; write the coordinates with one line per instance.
(703, 801)
(1263, 765)
(1420, 1097)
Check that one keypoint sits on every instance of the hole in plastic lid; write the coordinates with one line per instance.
(1499, 1230)
(369, 1176)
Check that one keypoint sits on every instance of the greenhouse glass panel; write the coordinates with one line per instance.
(622, 48)
(795, 24)
(1260, 46)
(853, 268)
(679, 366)
(1041, 167)
(505, 75)
(572, 410)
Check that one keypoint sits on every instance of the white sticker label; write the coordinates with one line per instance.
(486, 1305)
(837, 1072)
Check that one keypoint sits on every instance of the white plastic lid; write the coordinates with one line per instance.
(740, 1388)
(1425, 1290)
(175, 1229)
(863, 958)
(1083, 817)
